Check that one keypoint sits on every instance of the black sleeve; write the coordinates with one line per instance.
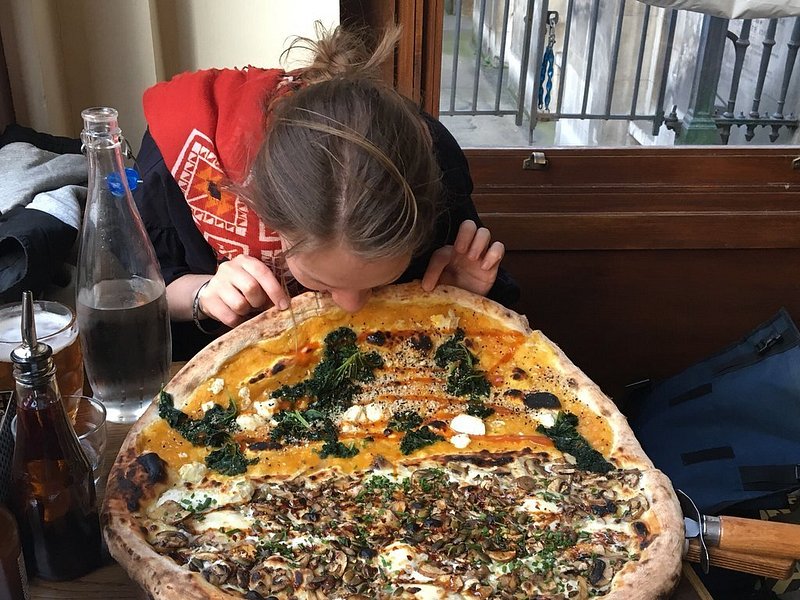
(33, 245)
(44, 141)
(179, 245)
(457, 207)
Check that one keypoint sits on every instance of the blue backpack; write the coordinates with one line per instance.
(727, 429)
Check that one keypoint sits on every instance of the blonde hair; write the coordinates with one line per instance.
(346, 159)
(344, 52)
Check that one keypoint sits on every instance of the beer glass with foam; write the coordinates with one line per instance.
(56, 327)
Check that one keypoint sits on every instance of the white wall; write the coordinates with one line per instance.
(65, 55)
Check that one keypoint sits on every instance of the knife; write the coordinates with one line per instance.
(766, 548)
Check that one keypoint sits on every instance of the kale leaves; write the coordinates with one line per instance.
(213, 430)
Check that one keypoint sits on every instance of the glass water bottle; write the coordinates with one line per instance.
(121, 297)
(52, 485)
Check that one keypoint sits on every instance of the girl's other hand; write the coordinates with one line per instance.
(471, 263)
(241, 287)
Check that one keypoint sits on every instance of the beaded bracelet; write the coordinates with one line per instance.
(197, 312)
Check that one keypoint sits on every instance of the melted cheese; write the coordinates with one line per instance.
(214, 495)
(468, 424)
(193, 472)
(223, 520)
(460, 440)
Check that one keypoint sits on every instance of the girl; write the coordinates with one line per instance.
(259, 183)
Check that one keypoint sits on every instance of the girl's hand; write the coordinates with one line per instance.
(471, 263)
(242, 286)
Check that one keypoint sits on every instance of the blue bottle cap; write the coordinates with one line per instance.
(115, 183)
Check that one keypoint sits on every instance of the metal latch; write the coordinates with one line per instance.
(796, 164)
(537, 161)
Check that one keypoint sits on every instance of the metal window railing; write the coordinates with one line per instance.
(598, 97)
(753, 119)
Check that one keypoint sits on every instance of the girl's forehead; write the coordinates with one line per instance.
(336, 267)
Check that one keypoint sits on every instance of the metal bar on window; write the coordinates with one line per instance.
(658, 118)
(590, 57)
(456, 44)
(564, 56)
(791, 55)
(499, 90)
(740, 45)
(526, 56)
(766, 55)
(615, 57)
(479, 53)
(604, 116)
(637, 79)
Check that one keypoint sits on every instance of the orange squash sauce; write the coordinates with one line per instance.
(510, 360)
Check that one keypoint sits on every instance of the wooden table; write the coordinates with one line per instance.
(111, 581)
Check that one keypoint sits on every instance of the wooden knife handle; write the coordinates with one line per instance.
(772, 567)
(753, 536)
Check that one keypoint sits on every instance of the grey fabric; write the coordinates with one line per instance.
(42, 195)
(26, 171)
(66, 204)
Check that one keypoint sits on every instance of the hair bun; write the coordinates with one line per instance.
(345, 52)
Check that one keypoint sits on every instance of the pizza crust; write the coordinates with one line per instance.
(160, 576)
(654, 576)
(625, 450)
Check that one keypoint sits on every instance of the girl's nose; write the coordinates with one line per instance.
(351, 300)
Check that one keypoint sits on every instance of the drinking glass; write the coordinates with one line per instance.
(55, 326)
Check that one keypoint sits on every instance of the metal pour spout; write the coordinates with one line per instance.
(32, 359)
(28, 322)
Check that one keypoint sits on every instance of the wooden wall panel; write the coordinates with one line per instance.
(416, 69)
(638, 262)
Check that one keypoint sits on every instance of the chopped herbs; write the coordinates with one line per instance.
(380, 485)
(311, 426)
(463, 378)
(296, 426)
(566, 438)
(415, 439)
(337, 449)
(276, 545)
(454, 350)
(196, 506)
(332, 384)
(229, 460)
(405, 420)
(330, 388)
(213, 430)
(478, 408)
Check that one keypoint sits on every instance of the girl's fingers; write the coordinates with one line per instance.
(479, 243)
(213, 306)
(268, 284)
(466, 233)
(436, 266)
(493, 256)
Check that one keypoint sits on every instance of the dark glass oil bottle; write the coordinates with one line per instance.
(52, 485)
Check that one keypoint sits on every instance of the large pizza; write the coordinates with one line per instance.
(429, 446)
